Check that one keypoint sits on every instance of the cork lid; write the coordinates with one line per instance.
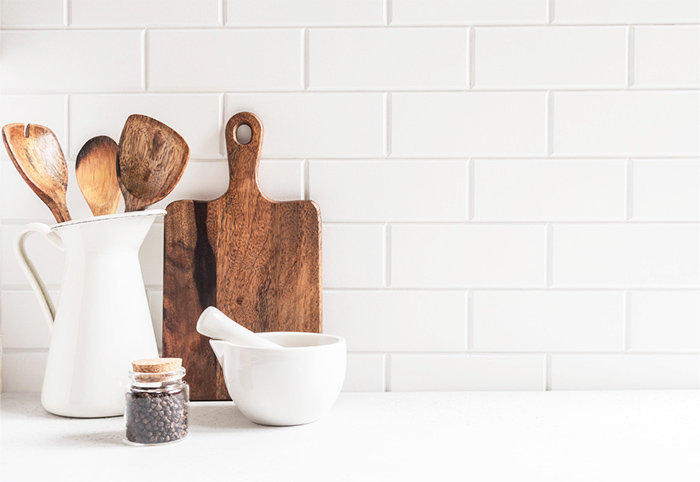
(153, 370)
(156, 365)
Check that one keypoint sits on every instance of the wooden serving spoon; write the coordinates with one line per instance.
(96, 171)
(150, 161)
(38, 157)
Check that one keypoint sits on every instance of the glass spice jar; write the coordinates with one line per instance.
(157, 402)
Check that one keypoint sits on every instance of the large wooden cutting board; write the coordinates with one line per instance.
(257, 260)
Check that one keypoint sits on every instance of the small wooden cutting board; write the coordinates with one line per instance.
(257, 260)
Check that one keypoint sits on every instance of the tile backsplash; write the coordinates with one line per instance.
(510, 190)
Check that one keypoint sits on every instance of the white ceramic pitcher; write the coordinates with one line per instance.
(102, 322)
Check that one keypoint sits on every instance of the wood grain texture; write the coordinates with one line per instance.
(257, 260)
(150, 161)
(96, 173)
(38, 157)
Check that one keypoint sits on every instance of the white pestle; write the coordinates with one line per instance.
(214, 324)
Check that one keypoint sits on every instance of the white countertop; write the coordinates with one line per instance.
(476, 436)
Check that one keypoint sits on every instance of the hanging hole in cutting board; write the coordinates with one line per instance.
(243, 134)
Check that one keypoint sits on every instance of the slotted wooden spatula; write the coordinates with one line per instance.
(38, 157)
(256, 260)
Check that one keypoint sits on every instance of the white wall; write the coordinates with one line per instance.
(509, 189)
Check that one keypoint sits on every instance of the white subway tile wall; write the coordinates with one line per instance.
(510, 189)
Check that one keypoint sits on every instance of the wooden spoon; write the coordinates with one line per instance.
(38, 157)
(96, 171)
(150, 161)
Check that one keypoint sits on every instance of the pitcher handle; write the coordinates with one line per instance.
(30, 271)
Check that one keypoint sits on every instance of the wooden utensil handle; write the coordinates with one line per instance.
(243, 159)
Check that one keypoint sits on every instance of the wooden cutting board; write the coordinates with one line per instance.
(257, 260)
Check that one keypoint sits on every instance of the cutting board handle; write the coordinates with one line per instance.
(243, 159)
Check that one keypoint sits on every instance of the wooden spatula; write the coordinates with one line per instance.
(96, 172)
(38, 157)
(150, 161)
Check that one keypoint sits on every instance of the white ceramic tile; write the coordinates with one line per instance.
(282, 180)
(459, 12)
(550, 57)
(23, 323)
(467, 124)
(316, 125)
(625, 372)
(666, 189)
(208, 180)
(462, 256)
(364, 373)
(544, 321)
(626, 11)
(374, 59)
(246, 13)
(31, 13)
(392, 320)
(45, 110)
(155, 303)
(631, 255)
(415, 373)
(19, 202)
(151, 257)
(23, 372)
(667, 56)
(389, 190)
(549, 190)
(620, 123)
(197, 118)
(353, 255)
(48, 259)
(242, 60)
(140, 13)
(70, 61)
(664, 321)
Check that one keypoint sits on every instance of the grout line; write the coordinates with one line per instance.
(41, 350)
(505, 157)
(507, 91)
(378, 26)
(387, 124)
(144, 60)
(471, 57)
(387, 372)
(549, 254)
(629, 71)
(427, 223)
(66, 121)
(629, 189)
(550, 11)
(305, 59)
(222, 126)
(305, 177)
(159, 287)
(549, 123)
(557, 353)
(387, 12)
(223, 12)
(548, 372)
(67, 12)
(471, 191)
(469, 332)
(25, 351)
(386, 252)
(626, 318)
